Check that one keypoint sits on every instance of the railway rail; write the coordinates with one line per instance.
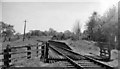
(78, 61)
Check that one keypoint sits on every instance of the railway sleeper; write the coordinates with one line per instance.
(83, 61)
(93, 68)
(90, 65)
(57, 59)
(76, 57)
(54, 55)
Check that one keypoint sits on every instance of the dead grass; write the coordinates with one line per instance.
(83, 47)
(32, 40)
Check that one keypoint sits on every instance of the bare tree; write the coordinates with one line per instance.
(77, 29)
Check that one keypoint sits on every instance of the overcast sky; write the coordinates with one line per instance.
(60, 16)
(0, 11)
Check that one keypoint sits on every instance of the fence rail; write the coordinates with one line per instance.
(7, 53)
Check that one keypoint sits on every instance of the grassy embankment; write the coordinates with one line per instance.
(89, 48)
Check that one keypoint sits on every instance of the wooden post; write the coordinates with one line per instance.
(28, 53)
(109, 53)
(46, 53)
(42, 52)
(24, 30)
(37, 49)
(7, 56)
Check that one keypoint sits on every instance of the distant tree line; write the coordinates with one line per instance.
(53, 33)
(8, 33)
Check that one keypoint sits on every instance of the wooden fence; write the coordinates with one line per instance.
(7, 53)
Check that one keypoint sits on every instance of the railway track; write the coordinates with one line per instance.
(77, 61)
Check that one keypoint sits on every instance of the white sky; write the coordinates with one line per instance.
(57, 14)
(0, 11)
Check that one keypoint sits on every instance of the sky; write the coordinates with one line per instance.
(0, 11)
(60, 15)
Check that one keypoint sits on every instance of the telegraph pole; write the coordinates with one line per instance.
(24, 30)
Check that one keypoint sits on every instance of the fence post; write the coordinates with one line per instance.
(46, 53)
(28, 53)
(7, 56)
(42, 51)
(37, 49)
